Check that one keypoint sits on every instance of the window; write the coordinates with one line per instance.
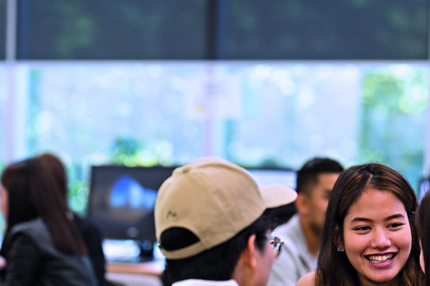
(265, 84)
(220, 29)
(329, 30)
(110, 29)
(255, 114)
(393, 100)
(356, 114)
(3, 119)
(133, 114)
(2, 29)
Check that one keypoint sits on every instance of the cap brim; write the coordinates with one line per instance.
(276, 195)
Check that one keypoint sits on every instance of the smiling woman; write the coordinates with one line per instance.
(368, 238)
(377, 236)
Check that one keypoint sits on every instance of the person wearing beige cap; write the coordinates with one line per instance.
(213, 227)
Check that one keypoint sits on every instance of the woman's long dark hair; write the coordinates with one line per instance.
(56, 168)
(423, 229)
(33, 193)
(334, 267)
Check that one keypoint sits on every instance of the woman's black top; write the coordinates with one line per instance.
(34, 260)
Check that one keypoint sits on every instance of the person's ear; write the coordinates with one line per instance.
(250, 252)
(301, 204)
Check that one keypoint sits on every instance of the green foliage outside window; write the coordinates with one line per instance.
(393, 120)
(132, 152)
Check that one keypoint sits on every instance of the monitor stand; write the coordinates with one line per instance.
(146, 251)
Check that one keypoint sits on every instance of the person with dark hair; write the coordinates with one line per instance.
(41, 245)
(89, 231)
(423, 230)
(301, 234)
(212, 227)
(369, 235)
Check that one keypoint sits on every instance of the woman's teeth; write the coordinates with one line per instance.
(380, 258)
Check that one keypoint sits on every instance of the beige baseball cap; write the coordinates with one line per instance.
(214, 199)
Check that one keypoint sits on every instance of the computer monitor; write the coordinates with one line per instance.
(287, 177)
(121, 200)
(263, 176)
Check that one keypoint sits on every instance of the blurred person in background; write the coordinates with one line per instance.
(41, 245)
(89, 231)
(301, 234)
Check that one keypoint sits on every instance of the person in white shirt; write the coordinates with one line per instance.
(212, 225)
(301, 234)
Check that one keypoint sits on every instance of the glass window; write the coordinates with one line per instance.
(3, 115)
(291, 112)
(2, 29)
(335, 29)
(132, 114)
(3, 133)
(254, 114)
(394, 100)
(110, 29)
(193, 29)
(288, 113)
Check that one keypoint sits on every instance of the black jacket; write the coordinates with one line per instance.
(34, 260)
(94, 242)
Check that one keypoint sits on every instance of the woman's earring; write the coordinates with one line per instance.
(340, 248)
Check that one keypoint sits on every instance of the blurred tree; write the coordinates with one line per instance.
(124, 150)
(78, 188)
(392, 103)
(131, 152)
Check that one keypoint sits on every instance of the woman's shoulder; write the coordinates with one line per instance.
(308, 279)
(34, 229)
(29, 226)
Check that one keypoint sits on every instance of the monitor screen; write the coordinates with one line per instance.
(285, 177)
(121, 200)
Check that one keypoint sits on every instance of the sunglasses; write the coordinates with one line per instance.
(276, 244)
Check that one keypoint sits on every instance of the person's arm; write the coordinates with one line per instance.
(307, 280)
(22, 262)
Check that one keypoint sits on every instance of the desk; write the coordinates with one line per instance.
(131, 274)
(153, 268)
